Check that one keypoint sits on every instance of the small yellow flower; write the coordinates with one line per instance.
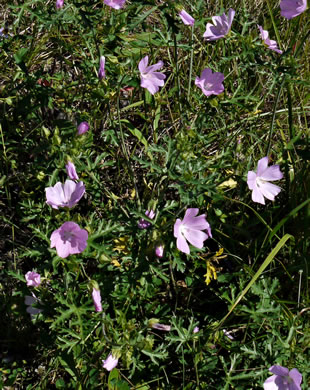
(122, 245)
(116, 263)
(211, 272)
(219, 252)
(211, 268)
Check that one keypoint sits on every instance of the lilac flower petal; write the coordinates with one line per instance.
(218, 21)
(64, 195)
(262, 165)
(190, 214)
(283, 379)
(210, 83)
(251, 180)
(150, 214)
(69, 239)
(29, 300)
(63, 249)
(153, 68)
(259, 182)
(221, 26)
(272, 45)
(54, 195)
(164, 327)
(206, 73)
(196, 223)
(296, 376)
(143, 64)
(101, 72)
(279, 370)
(77, 194)
(209, 230)
(292, 8)
(150, 79)
(187, 19)
(71, 171)
(143, 224)
(195, 237)
(191, 229)
(263, 33)
(269, 383)
(83, 127)
(159, 251)
(257, 196)
(269, 190)
(110, 362)
(272, 173)
(116, 4)
(231, 15)
(182, 245)
(96, 296)
(33, 311)
(33, 279)
(59, 4)
(68, 188)
(176, 227)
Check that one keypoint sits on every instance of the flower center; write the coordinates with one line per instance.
(146, 75)
(208, 86)
(260, 182)
(183, 229)
(67, 236)
(287, 380)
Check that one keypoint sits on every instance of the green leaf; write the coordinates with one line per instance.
(112, 380)
(261, 269)
(20, 55)
(285, 219)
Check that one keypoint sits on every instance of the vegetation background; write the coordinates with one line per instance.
(167, 152)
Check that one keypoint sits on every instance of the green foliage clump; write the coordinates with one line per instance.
(247, 289)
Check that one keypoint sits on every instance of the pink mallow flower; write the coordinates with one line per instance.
(191, 229)
(64, 195)
(83, 127)
(96, 299)
(186, 18)
(110, 362)
(221, 26)
(33, 279)
(210, 83)
(101, 72)
(292, 8)
(59, 4)
(159, 251)
(272, 45)
(116, 4)
(259, 182)
(283, 379)
(69, 239)
(150, 79)
(143, 224)
(29, 301)
(71, 171)
(163, 327)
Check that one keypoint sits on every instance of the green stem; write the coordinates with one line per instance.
(274, 24)
(125, 151)
(183, 369)
(177, 70)
(274, 115)
(190, 65)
